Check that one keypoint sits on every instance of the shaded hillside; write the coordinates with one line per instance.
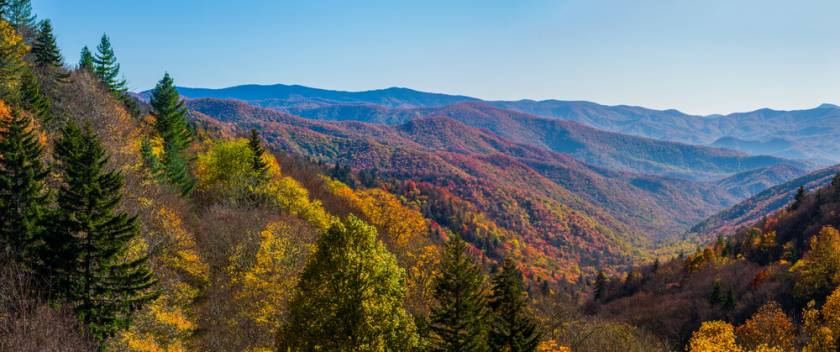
(762, 204)
(800, 134)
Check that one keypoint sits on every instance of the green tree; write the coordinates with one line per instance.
(23, 191)
(105, 67)
(600, 286)
(45, 48)
(89, 252)
(797, 200)
(171, 124)
(513, 328)
(86, 60)
(350, 296)
(4, 8)
(460, 314)
(19, 13)
(255, 143)
(33, 100)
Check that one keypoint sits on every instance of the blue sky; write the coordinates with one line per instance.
(697, 56)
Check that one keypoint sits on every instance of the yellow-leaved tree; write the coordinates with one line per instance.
(12, 66)
(714, 336)
(818, 272)
(769, 327)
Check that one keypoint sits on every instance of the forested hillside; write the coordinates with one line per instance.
(127, 226)
(768, 286)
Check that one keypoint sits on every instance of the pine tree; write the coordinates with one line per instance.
(514, 328)
(23, 192)
(255, 144)
(4, 9)
(86, 60)
(105, 67)
(45, 48)
(12, 65)
(797, 200)
(600, 286)
(171, 124)
(87, 247)
(33, 100)
(19, 14)
(459, 318)
(350, 296)
(716, 296)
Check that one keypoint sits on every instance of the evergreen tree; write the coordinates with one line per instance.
(86, 60)
(19, 13)
(797, 200)
(23, 192)
(459, 318)
(171, 124)
(600, 286)
(4, 9)
(33, 100)
(350, 296)
(105, 67)
(12, 65)
(45, 48)
(716, 296)
(255, 144)
(87, 252)
(728, 301)
(513, 328)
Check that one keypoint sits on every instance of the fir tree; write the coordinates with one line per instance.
(600, 286)
(350, 296)
(459, 318)
(19, 14)
(729, 301)
(797, 200)
(87, 247)
(716, 296)
(86, 60)
(23, 192)
(255, 144)
(513, 328)
(171, 124)
(105, 67)
(4, 9)
(33, 100)
(45, 48)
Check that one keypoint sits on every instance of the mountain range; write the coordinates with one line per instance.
(807, 134)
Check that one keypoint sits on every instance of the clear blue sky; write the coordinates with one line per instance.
(697, 56)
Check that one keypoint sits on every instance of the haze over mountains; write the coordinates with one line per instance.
(801, 134)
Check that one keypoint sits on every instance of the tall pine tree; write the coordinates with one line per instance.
(105, 66)
(459, 319)
(255, 143)
(350, 296)
(171, 124)
(86, 60)
(87, 252)
(19, 14)
(33, 100)
(45, 48)
(23, 191)
(513, 328)
(4, 9)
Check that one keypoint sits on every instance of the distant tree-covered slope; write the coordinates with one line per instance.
(762, 204)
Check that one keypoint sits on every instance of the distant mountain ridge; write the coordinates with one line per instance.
(811, 134)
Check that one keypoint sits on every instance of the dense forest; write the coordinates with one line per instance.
(143, 225)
